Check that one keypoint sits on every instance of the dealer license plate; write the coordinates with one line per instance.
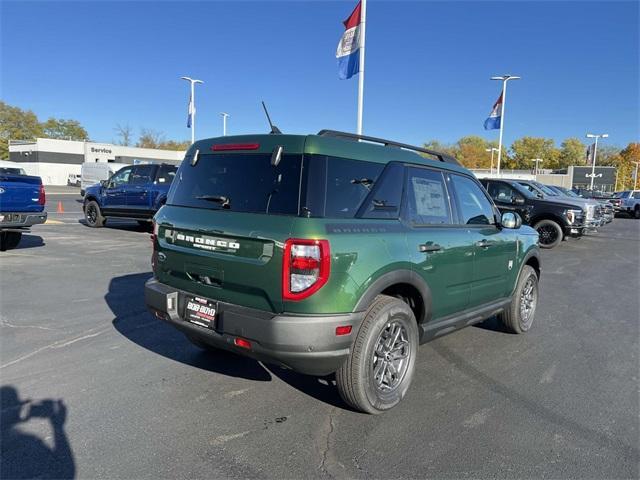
(201, 311)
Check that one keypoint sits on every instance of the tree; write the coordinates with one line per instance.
(125, 132)
(64, 129)
(627, 167)
(150, 138)
(16, 124)
(471, 151)
(175, 145)
(527, 148)
(572, 152)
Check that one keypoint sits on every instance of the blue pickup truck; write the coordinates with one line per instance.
(133, 192)
(22, 200)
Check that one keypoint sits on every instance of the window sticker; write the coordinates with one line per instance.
(429, 196)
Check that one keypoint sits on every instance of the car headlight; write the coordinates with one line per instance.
(573, 215)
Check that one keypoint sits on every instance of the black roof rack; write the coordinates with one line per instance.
(443, 157)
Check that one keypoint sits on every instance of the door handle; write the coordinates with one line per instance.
(484, 243)
(429, 248)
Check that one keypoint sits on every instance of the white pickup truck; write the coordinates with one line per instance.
(630, 202)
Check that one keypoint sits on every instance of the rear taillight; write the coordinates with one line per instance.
(225, 147)
(306, 267)
(42, 198)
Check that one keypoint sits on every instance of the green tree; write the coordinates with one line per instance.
(527, 148)
(64, 129)
(16, 124)
(572, 152)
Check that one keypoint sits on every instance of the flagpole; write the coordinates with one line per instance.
(363, 17)
(505, 79)
(192, 104)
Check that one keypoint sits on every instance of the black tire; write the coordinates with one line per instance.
(201, 345)
(516, 318)
(93, 215)
(9, 240)
(550, 233)
(636, 212)
(356, 378)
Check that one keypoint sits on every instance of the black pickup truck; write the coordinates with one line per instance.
(552, 218)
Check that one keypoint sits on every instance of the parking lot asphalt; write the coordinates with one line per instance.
(141, 402)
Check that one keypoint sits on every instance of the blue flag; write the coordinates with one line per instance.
(494, 119)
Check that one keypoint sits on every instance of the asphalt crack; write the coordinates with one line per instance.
(327, 462)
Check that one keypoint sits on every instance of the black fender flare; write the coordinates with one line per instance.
(392, 278)
(160, 201)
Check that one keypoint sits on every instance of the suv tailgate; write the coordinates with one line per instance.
(227, 256)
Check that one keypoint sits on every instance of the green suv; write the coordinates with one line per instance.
(335, 253)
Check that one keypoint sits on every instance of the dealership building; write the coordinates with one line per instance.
(53, 160)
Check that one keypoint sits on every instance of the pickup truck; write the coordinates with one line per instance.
(133, 192)
(629, 202)
(22, 200)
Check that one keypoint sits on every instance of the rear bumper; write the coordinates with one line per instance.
(20, 221)
(307, 344)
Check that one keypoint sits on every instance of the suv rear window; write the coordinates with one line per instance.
(330, 187)
(248, 183)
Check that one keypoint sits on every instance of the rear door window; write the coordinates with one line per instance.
(386, 197)
(239, 183)
(501, 192)
(142, 174)
(427, 198)
(166, 173)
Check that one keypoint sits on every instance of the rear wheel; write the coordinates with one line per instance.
(378, 372)
(520, 314)
(9, 240)
(636, 212)
(550, 233)
(93, 215)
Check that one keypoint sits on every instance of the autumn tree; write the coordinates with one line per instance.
(64, 129)
(572, 152)
(527, 148)
(627, 167)
(125, 132)
(150, 138)
(16, 124)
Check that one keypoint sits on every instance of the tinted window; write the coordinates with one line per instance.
(501, 192)
(239, 182)
(475, 208)
(636, 195)
(386, 197)
(166, 173)
(427, 199)
(142, 174)
(336, 187)
(12, 171)
(120, 178)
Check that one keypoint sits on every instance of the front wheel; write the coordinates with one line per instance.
(518, 318)
(550, 233)
(93, 215)
(378, 372)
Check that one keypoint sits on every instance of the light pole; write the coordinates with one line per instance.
(492, 149)
(504, 79)
(191, 121)
(224, 123)
(595, 152)
(537, 160)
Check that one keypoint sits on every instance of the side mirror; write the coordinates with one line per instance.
(511, 220)
(104, 182)
(276, 156)
(517, 200)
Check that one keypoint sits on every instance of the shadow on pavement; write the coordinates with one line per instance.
(25, 455)
(125, 298)
(493, 324)
(30, 241)
(124, 224)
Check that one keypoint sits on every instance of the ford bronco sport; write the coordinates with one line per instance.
(335, 253)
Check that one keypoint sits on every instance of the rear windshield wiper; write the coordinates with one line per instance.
(222, 200)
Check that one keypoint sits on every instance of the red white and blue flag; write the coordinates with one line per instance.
(348, 53)
(191, 111)
(495, 117)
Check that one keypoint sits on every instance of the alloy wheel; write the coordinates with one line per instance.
(391, 356)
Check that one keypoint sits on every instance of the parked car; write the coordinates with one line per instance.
(552, 217)
(603, 210)
(593, 212)
(22, 200)
(133, 192)
(629, 202)
(92, 173)
(325, 254)
(74, 180)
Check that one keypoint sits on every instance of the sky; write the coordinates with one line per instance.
(428, 65)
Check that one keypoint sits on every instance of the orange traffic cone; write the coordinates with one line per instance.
(60, 207)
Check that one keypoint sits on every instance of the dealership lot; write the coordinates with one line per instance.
(141, 401)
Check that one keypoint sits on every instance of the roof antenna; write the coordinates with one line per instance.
(274, 129)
